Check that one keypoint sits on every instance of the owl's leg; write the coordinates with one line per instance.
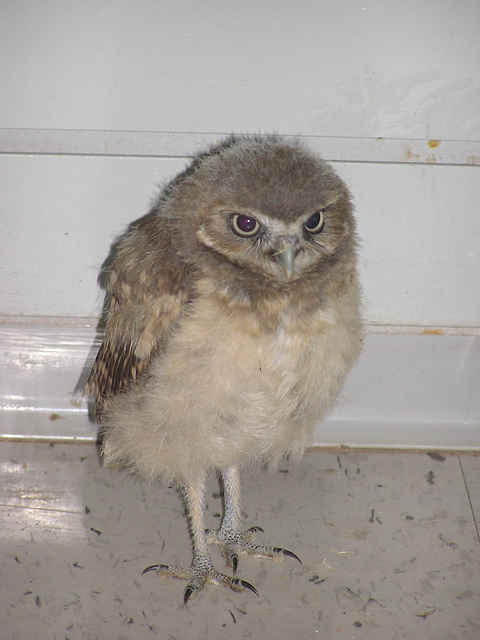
(232, 541)
(201, 570)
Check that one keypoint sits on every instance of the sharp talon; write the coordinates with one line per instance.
(290, 554)
(186, 595)
(256, 530)
(154, 567)
(247, 585)
(235, 563)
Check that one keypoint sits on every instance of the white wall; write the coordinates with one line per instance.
(344, 68)
(345, 73)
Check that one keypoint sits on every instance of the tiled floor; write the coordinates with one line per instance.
(389, 545)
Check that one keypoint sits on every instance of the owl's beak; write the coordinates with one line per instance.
(286, 254)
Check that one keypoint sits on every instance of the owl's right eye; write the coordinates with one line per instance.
(244, 226)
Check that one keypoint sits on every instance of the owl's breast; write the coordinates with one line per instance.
(232, 390)
(259, 388)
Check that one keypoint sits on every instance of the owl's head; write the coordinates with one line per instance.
(269, 207)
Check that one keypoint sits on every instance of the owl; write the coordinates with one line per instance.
(233, 320)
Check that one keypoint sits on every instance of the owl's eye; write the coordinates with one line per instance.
(315, 223)
(244, 226)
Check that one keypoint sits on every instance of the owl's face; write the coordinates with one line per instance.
(281, 249)
(271, 208)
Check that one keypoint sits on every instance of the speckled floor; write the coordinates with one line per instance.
(389, 545)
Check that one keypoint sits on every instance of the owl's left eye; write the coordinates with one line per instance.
(315, 223)
(244, 226)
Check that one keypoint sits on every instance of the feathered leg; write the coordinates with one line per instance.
(232, 541)
(201, 570)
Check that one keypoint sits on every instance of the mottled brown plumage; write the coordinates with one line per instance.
(233, 321)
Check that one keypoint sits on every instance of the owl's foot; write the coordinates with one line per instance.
(233, 542)
(199, 573)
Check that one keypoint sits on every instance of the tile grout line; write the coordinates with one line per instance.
(468, 496)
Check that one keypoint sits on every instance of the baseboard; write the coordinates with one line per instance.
(409, 389)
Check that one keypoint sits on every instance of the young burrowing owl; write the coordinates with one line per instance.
(233, 320)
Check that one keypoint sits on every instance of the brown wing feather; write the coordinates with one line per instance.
(114, 369)
(149, 289)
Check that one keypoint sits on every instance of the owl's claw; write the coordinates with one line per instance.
(290, 554)
(234, 561)
(250, 587)
(186, 595)
(200, 572)
(153, 567)
(233, 542)
(239, 585)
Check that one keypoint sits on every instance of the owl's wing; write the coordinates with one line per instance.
(148, 291)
